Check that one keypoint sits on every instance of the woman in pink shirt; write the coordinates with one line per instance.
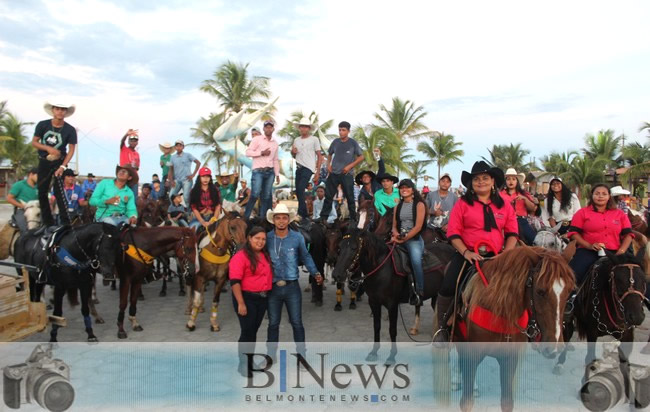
(522, 202)
(597, 226)
(250, 276)
(481, 215)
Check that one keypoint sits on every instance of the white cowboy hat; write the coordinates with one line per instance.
(618, 191)
(280, 209)
(304, 122)
(512, 172)
(165, 146)
(70, 108)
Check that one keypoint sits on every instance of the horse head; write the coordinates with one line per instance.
(367, 213)
(186, 252)
(333, 236)
(549, 239)
(350, 250)
(32, 214)
(626, 282)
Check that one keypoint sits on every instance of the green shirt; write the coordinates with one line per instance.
(227, 192)
(107, 189)
(384, 200)
(164, 159)
(23, 192)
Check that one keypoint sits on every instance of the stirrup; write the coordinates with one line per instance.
(570, 304)
(441, 337)
(415, 299)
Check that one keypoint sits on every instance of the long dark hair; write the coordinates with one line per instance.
(195, 193)
(470, 197)
(248, 250)
(417, 197)
(611, 205)
(566, 198)
(518, 187)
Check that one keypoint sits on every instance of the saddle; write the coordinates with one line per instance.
(402, 262)
(304, 227)
(50, 235)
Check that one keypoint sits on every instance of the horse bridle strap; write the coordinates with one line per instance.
(630, 290)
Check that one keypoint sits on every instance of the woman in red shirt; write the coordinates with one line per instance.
(599, 225)
(250, 276)
(205, 200)
(522, 202)
(480, 215)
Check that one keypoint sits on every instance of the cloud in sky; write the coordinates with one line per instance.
(486, 72)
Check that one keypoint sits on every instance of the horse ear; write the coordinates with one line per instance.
(556, 228)
(147, 224)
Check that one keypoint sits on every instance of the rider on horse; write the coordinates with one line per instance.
(388, 197)
(205, 200)
(114, 200)
(440, 202)
(22, 192)
(480, 215)
(560, 206)
(368, 182)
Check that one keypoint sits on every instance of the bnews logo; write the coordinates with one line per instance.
(325, 373)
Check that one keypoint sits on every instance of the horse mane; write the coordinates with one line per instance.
(507, 275)
(374, 245)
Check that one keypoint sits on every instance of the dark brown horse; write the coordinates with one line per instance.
(221, 240)
(144, 245)
(333, 236)
(527, 289)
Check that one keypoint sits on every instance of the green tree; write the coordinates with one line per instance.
(16, 147)
(583, 172)
(372, 137)
(605, 146)
(645, 126)
(557, 163)
(403, 118)
(212, 152)
(442, 149)
(506, 156)
(416, 169)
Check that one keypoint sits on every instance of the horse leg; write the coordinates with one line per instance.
(353, 299)
(181, 290)
(136, 293)
(125, 286)
(468, 364)
(113, 283)
(59, 291)
(214, 324)
(507, 369)
(416, 326)
(85, 292)
(94, 298)
(375, 308)
(339, 297)
(567, 334)
(196, 301)
(163, 291)
(392, 331)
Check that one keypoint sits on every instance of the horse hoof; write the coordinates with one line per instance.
(307, 289)
(181, 292)
(141, 297)
(338, 307)
(190, 328)
(558, 369)
(353, 306)
(96, 301)
(413, 332)
(99, 320)
(138, 328)
(215, 328)
(93, 339)
(121, 335)
(162, 293)
(372, 357)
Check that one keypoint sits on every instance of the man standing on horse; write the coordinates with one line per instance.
(55, 141)
(180, 175)
(344, 154)
(307, 152)
(266, 166)
(287, 249)
(114, 199)
(22, 192)
(130, 158)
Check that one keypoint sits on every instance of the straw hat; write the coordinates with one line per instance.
(165, 146)
(57, 103)
(280, 209)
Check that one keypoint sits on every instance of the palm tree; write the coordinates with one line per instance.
(403, 118)
(505, 156)
(234, 89)
(638, 157)
(558, 163)
(205, 128)
(417, 168)
(603, 145)
(645, 126)
(15, 145)
(443, 149)
(583, 172)
(372, 137)
(290, 130)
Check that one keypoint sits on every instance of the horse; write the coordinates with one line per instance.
(333, 235)
(314, 236)
(366, 256)
(76, 255)
(217, 244)
(143, 246)
(520, 295)
(549, 238)
(608, 303)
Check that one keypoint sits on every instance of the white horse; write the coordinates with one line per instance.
(549, 238)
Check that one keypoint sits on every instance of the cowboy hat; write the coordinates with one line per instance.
(618, 191)
(69, 172)
(482, 167)
(165, 146)
(132, 172)
(70, 108)
(388, 176)
(512, 172)
(303, 122)
(359, 176)
(280, 209)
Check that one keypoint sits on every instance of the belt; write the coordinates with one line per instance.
(283, 282)
(566, 223)
(264, 169)
(261, 294)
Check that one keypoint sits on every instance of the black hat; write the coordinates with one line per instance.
(359, 176)
(90, 175)
(482, 167)
(386, 176)
(407, 183)
(69, 172)
(146, 186)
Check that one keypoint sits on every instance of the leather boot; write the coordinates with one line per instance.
(442, 308)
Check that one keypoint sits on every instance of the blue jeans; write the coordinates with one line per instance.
(261, 188)
(303, 175)
(526, 232)
(415, 247)
(194, 223)
(581, 262)
(291, 295)
(115, 220)
(186, 185)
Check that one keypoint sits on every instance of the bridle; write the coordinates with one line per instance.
(186, 250)
(37, 221)
(354, 265)
(532, 330)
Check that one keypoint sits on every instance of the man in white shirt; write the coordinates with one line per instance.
(307, 152)
(318, 205)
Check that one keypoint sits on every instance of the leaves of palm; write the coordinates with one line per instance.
(403, 118)
(442, 149)
(583, 172)
(391, 148)
(512, 155)
(234, 89)
(15, 145)
(605, 146)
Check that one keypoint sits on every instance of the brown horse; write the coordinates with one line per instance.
(144, 245)
(526, 292)
(333, 236)
(222, 239)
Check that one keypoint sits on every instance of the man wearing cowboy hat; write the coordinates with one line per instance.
(367, 180)
(387, 198)
(114, 200)
(307, 152)
(130, 158)
(287, 249)
(55, 141)
(88, 186)
(621, 196)
(74, 196)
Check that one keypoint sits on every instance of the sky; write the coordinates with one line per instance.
(499, 72)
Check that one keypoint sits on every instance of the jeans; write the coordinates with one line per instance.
(186, 185)
(415, 247)
(46, 171)
(331, 188)
(18, 218)
(114, 220)
(581, 262)
(194, 223)
(303, 175)
(526, 232)
(261, 188)
(256, 309)
(291, 295)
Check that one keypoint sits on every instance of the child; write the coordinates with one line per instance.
(176, 211)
